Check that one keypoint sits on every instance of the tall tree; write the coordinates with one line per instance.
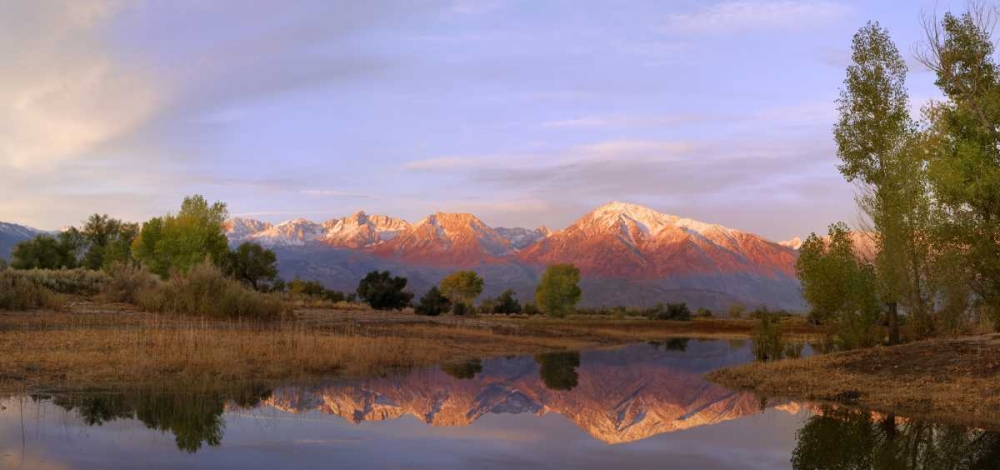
(964, 163)
(462, 287)
(875, 142)
(185, 240)
(253, 265)
(558, 292)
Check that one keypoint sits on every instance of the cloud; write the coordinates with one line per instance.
(623, 120)
(723, 181)
(63, 91)
(335, 193)
(747, 15)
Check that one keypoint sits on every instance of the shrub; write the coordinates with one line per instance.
(676, 312)
(433, 303)
(68, 281)
(531, 309)
(736, 310)
(703, 313)
(384, 292)
(767, 341)
(460, 309)
(316, 290)
(18, 292)
(127, 282)
(507, 303)
(205, 291)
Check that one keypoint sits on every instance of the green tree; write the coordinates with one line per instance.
(253, 265)
(99, 231)
(46, 252)
(462, 287)
(383, 291)
(839, 286)
(736, 310)
(507, 303)
(964, 160)
(185, 240)
(433, 303)
(559, 291)
(875, 139)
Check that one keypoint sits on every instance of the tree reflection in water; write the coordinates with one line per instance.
(558, 370)
(193, 417)
(463, 370)
(847, 439)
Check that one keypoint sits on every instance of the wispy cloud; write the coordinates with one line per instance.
(335, 193)
(623, 120)
(745, 15)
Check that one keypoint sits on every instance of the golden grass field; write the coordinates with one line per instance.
(90, 344)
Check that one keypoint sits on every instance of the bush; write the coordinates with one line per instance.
(206, 292)
(461, 309)
(767, 341)
(315, 290)
(530, 309)
(127, 282)
(507, 303)
(675, 312)
(736, 311)
(433, 303)
(68, 281)
(703, 313)
(18, 292)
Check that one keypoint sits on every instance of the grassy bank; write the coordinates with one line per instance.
(947, 380)
(90, 344)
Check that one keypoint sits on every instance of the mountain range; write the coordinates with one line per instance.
(616, 396)
(628, 255)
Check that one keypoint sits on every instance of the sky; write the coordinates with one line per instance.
(522, 112)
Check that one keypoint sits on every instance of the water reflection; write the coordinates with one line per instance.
(650, 401)
(193, 418)
(850, 439)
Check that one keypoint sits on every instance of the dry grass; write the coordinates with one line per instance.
(92, 344)
(949, 380)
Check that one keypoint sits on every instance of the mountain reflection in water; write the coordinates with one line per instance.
(649, 400)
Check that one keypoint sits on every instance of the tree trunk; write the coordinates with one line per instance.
(893, 323)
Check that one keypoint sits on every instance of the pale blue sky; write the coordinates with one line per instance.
(523, 112)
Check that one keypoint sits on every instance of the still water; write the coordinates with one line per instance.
(641, 406)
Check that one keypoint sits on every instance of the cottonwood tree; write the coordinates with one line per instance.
(964, 162)
(839, 286)
(462, 287)
(185, 240)
(558, 291)
(875, 139)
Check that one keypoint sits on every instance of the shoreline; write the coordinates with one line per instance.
(955, 381)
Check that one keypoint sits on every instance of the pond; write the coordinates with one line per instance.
(640, 406)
